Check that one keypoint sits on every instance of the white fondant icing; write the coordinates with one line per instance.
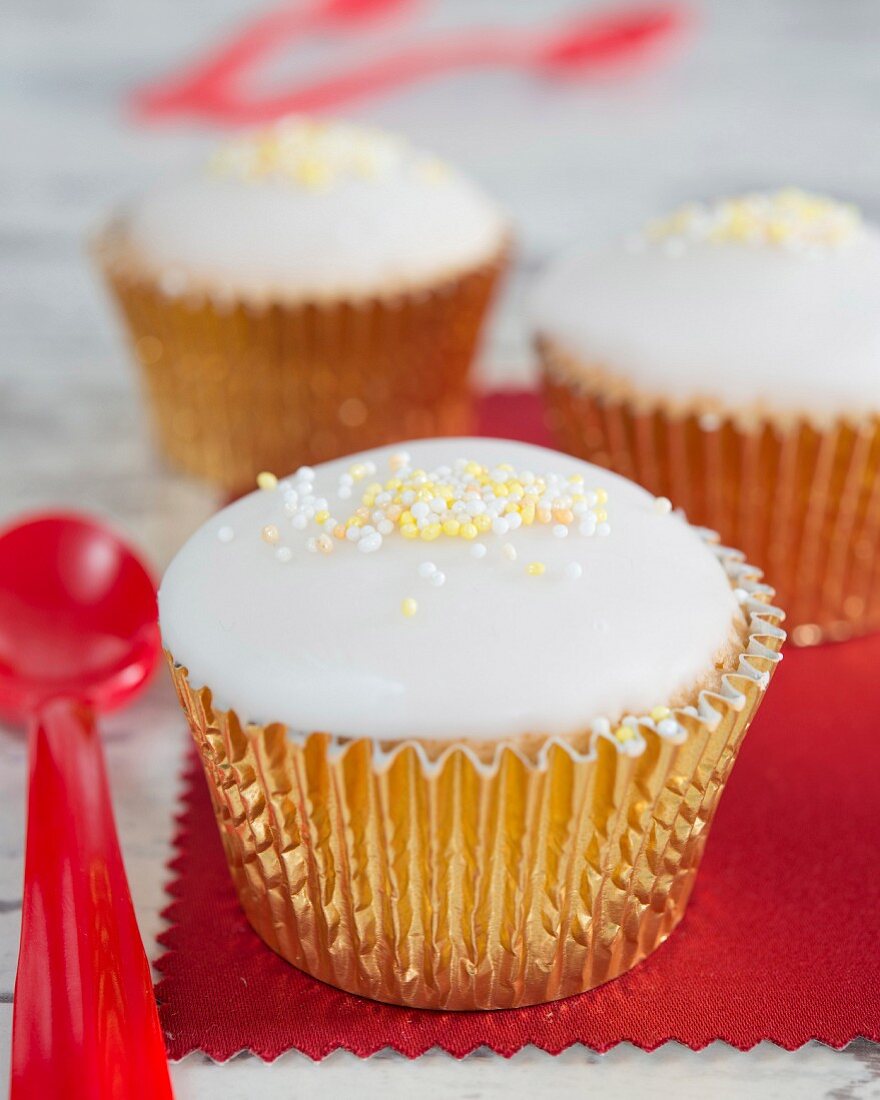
(320, 642)
(401, 222)
(793, 331)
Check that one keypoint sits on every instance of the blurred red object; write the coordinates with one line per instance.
(213, 87)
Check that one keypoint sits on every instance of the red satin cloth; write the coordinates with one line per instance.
(781, 940)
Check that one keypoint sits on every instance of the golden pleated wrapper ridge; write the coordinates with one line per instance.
(800, 499)
(475, 876)
(236, 387)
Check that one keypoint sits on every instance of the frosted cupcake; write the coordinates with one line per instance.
(314, 290)
(728, 357)
(465, 708)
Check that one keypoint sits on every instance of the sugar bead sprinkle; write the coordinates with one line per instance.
(536, 569)
(573, 571)
(409, 607)
(789, 219)
(662, 506)
(462, 500)
(267, 481)
(225, 534)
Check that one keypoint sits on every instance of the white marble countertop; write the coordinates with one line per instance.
(767, 92)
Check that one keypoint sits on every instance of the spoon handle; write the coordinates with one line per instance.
(85, 1023)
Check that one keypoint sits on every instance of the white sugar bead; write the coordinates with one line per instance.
(370, 543)
(225, 534)
(305, 473)
(300, 522)
(560, 531)
(500, 526)
(284, 553)
(438, 579)
(600, 725)
(427, 569)
(478, 550)
(663, 506)
(603, 529)
(385, 527)
(573, 571)
(509, 551)
(353, 533)
(588, 526)
(668, 727)
(514, 521)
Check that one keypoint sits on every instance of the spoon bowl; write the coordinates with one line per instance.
(77, 616)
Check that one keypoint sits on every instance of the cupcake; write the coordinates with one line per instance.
(316, 289)
(728, 357)
(465, 709)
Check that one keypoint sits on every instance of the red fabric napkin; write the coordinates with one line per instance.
(781, 940)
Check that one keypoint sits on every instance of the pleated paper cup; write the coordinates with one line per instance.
(235, 386)
(477, 875)
(801, 499)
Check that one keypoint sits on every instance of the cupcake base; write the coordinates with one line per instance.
(815, 531)
(472, 881)
(237, 387)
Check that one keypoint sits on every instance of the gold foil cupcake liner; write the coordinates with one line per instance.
(802, 500)
(477, 876)
(235, 387)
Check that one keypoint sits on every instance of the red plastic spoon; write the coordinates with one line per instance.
(78, 636)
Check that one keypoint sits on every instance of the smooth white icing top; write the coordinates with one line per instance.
(314, 209)
(320, 642)
(792, 324)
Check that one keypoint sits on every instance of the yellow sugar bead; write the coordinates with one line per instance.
(624, 733)
(468, 531)
(482, 523)
(431, 532)
(393, 483)
(409, 607)
(601, 496)
(407, 518)
(339, 531)
(322, 517)
(536, 569)
(267, 481)
(409, 530)
(528, 514)
(510, 508)
(659, 713)
(451, 527)
(576, 479)
(601, 515)
(270, 534)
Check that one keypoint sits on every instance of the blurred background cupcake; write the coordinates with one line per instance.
(315, 289)
(728, 357)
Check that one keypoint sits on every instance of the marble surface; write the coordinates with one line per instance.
(766, 92)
